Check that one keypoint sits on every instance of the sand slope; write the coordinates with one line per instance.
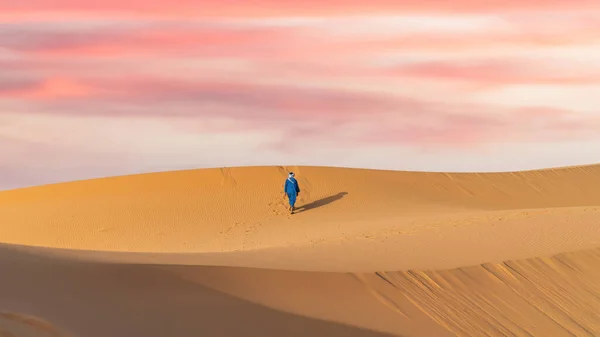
(371, 253)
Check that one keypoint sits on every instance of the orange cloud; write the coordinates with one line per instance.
(51, 88)
(61, 88)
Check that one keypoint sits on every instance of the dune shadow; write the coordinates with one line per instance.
(321, 202)
(121, 300)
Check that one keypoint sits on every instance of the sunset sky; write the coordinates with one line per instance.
(119, 87)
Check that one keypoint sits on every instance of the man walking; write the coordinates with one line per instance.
(292, 189)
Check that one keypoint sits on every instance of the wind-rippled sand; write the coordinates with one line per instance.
(214, 252)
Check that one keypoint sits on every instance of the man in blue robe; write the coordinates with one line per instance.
(292, 189)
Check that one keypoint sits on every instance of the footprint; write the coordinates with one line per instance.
(227, 231)
(249, 230)
(228, 179)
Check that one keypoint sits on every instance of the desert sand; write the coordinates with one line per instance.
(214, 252)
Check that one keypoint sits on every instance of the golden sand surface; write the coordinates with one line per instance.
(214, 252)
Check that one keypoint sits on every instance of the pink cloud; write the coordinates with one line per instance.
(308, 51)
(470, 130)
(11, 86)
(232, 99)
(51, 88)
(467, 43)
(497, 72)
(157, 39)
(212, 8)
(253, 40)
(197, 106)
(396, 74)
(557, 120)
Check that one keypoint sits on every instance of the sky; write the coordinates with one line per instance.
(92, 89)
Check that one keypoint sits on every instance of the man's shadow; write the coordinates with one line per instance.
(321, 202)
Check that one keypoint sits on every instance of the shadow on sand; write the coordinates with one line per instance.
(138, 300)
(321, 202)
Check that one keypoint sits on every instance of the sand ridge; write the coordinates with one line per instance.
(27, 325)
(556, 296)
(370, 253)
(345, 214)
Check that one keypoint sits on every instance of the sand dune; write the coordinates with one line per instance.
(370, 253)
